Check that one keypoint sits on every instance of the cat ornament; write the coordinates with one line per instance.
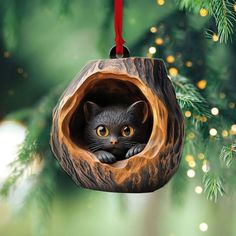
(118, 127)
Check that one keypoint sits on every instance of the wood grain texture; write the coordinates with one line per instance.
(130, 79)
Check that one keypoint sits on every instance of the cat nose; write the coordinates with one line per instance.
(113, 141)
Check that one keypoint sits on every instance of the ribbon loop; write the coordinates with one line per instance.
(118, 21)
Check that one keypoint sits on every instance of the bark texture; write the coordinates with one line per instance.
(110, 80)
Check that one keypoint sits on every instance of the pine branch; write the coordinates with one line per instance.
(222, 10)
(41, 195)
(189, 98)
(228, 154)
(213, 186)
(192, 5)
(36, 140)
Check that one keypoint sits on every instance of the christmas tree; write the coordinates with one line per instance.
(43, 44)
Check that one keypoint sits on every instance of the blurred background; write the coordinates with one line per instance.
(43, 44)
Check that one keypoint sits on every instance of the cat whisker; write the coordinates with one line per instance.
(93, 145)
(94, 148)
(130, 143)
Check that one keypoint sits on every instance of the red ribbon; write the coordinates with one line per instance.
(118, 17)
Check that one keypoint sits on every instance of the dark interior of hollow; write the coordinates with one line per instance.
(106, 92)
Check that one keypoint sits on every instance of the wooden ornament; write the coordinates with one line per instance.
(107, 82)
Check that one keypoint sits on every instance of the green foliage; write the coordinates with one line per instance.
(192, 5)
(40, 197)
(179, 38)
(221, 10)
(36, 140)
(189, 97)
(213, 186)
(228, 154)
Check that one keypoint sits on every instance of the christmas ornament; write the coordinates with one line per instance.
(143, 84)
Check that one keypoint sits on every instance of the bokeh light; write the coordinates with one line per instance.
(161, 2)
(190, 173)
(215, 111)
(215, 37)
(202, 84)
(205, 166)
(173, 71)
(152, 50)
(213, 132)
(153, 29)
(188, 114)
(159, 41)
(198, 189)
(203, 227)
(203, 12)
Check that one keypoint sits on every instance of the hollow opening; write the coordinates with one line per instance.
(106, 92)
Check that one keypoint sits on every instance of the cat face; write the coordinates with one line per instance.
(114, 128)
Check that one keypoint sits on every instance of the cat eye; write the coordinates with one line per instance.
(127, 131)
(102, 131)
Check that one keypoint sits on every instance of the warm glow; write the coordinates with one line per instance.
(215, 37)
(189, 158)
(225, 133)
(213, 132)
(201, 156)
(190, 173)
(173, 71)
(231, 105)
(152, 50)
(188, 113)
(12, 134)
(203, 12)
(198, 189)
(203, 227)
(205, 166)
(7, 54)
(189, 64)
(191, 135)
(161, 2)
(222, 95)
(192, 164)
(159, 41)
(153, 29)
(215, 111)
(170, 59)
(201, 84)
(203, 119)
(233, 129)
(235, 7)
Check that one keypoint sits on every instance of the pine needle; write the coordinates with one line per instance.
(36, 140)
(213, 187)
(221, 10)
(225, 17)
(189, 98)
(228, 154)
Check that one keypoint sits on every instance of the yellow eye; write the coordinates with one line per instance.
(102, 131)
(127, 131)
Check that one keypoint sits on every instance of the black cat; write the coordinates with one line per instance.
(115, 132)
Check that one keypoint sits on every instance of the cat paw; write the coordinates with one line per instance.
(135, 150)
(105, 157)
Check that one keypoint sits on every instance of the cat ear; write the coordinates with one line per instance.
(90, 109)
(139, 109)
